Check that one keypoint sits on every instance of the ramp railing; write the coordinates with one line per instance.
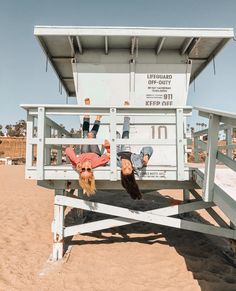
(218, 120)
(200, 145)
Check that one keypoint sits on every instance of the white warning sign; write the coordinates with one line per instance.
(163, 85)
(159, 90)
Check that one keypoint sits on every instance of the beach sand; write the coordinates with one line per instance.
(134, 257)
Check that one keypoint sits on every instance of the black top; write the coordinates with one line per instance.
(125, 155)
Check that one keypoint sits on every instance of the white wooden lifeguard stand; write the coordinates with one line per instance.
(152, 68)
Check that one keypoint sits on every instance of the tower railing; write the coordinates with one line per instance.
(44, 140)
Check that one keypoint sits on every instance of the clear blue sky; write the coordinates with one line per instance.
(22, 70)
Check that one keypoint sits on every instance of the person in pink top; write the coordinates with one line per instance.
(90, 156)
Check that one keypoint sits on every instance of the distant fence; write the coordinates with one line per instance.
(13, 147)
(227, 146)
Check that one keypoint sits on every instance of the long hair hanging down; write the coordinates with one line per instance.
(88, 185)
(130, 185)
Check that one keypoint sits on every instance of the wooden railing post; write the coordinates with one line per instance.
(41, 143)
(210, 165)
(29, 146)
(228, 138)
(59, 151)
(195, 149)
(47, 147)
(180, 144)
(113, 160)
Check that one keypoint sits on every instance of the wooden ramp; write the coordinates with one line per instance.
(224, 195)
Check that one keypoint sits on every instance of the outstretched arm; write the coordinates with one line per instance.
(147, 153)
(107, 147)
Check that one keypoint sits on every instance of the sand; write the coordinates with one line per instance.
(135, 257)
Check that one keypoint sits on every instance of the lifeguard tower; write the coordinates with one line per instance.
(152, 68)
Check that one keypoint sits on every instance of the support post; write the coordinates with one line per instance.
(210, 165)
(58, 229)
(186, 195)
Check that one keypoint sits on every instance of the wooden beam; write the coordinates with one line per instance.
(80, 47)
(132, 46)
(186, 45)
(160, 45)
(210, 165)
(71, 42)
(226, 160)
(146, 217)
(106, 44)
(119, 221)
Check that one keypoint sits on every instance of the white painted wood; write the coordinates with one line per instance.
(80, 45)
(58, 228)
(180, 144)
(118, 221)
(186, 44)
(106, 109)
(226, 160)
(152, 174)
(160, 45)
(132, 82)
(202, 145)
(47, 146)
(56, 126)
(59, 151)
(224, 190)
(106, 48)
(195, 148)
(146, 217)
(29, 135)
(133, 31)
(113, 144)
(228, 133)
(231, 121)
(41, 143)
(228, 118)
(218, 219)
(226, 203)
(147, 38)
(210, 164)
(111, 186)
(131, 141)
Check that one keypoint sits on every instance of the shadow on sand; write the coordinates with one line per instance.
(203, 254)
